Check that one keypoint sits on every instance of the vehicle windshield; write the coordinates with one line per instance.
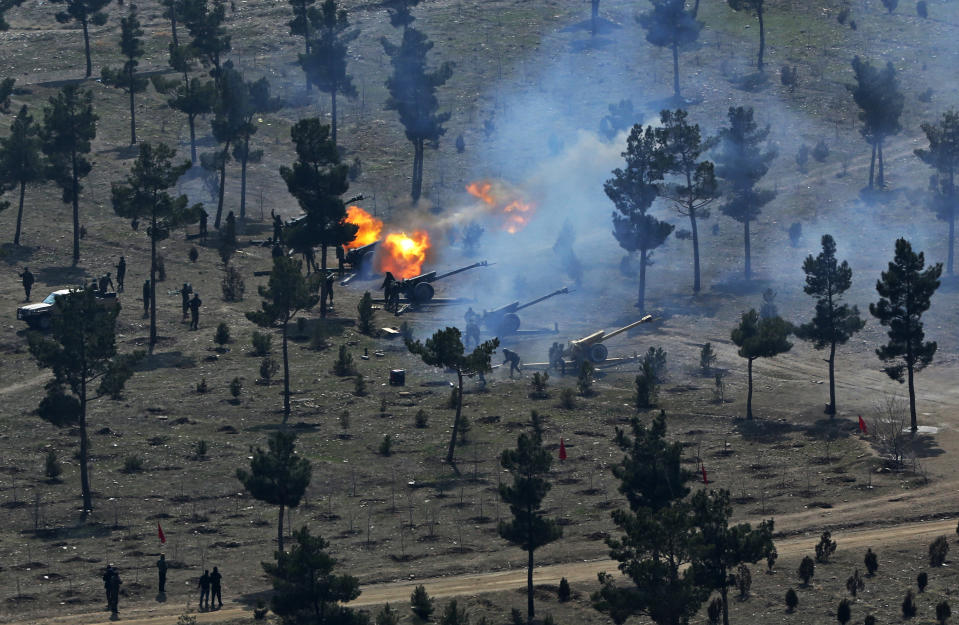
(50, 298)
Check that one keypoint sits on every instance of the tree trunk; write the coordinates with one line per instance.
(724, 593)
(279, 532)
(192, 123)
(695, 228)
(762, 36)
(749, 262)
(912, 399)
(530, 610)
(695, 9)
(176, 40)
(86, 47)
(153, 282)
(219, 204)
(832, 380)
(881, 178)
(749, 394)
(286, 376)
(594, 16)
(641, 301)
(872, 165)
(676, 71)
(23, 191)
(243, 162)
(84, 448)
(333, 115)
(456, 419)
(76, 212)
(133, 115)
(417, 170)
(949, 258)
(323, 281)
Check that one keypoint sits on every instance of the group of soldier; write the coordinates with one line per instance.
(210, 586)
(103, 284)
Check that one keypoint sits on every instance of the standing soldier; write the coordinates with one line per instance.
(330, 278)
(203, 218)
(28, 281)
(340, 257)
(107, 574)
(204, 586)
(215, 579)
(146, 297)
(195, 311)
(277, 228)
(391, 294)
(185, 298)
(105, 282)
(161, 572)
(511, 357)
(121, 273)
(113, 590)
(472, 328)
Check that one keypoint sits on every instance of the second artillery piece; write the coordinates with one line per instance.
(418, 289)
(591, 347)
(360, 259)
(504, 320)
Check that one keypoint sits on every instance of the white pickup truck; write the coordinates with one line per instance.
(38, 316)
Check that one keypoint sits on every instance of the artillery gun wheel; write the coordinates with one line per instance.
(598, 352)
(509, 324)
(422, 292)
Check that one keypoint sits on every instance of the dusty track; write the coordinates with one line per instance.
(463, 585)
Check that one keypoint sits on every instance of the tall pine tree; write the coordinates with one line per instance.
(834, 322)
(943, 156)
(905, 293)
(131, 46)
(669, 25)
(326, 56)
(253, 99)
(757, 7)
(759, 338)
(877, 94)
(21, 160)
(190, 95)
(86, 12)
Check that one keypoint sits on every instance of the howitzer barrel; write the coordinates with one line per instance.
(540, 299)
(482, 263)
(629, 327)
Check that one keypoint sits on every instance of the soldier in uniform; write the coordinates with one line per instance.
(215, 579)
(107, 574)
(472, 328)
(195, 311)
(185, 292)
(511, 357)
(161, 572)
(105, 282)
(204, 586)
(113, 590)
(146, 298)
(203, 218)
(121, 273)
(277, 228)
(330, 278)
(28, 280)
(391, 294)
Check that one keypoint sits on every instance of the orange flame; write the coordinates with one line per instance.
(513, 214)
(370, 227)
(403, 255)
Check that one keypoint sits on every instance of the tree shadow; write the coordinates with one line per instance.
(603, 26)
(750, 83)
(62, 276)
(166, 360)
(593, 43)
(741, 286)
(763, 430)
(925, 446)
(15, 254)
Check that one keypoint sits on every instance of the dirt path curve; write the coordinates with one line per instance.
(398, 593)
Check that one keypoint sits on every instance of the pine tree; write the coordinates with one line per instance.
(905, 293)
(21, 160)
(757, 7)
(170, 10)
(445, 350)
(253, 99)
(742, 163)
(834, 322)
(190, 95)
(877, 94)
(131, 46)
(680, 145)
(659, 536)
(304, 14)
(325, 60)
(943, 156)
(227, 124)
(287, 294)
(759, 338)
(144, 196)
(317, 179)
(6, 5)
(86, 12)
(277, 476)
(69, 125)
(208, 37)
(670, 25)
(529, 463)
(413, 95)
(80, 350)
(633, 189)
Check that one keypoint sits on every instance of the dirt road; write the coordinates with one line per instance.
(398, 593)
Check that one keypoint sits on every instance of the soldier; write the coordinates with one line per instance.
(195, 311)
(107, 574)
(28, 280)
(556, 357)
(146, 297)
(389, 292)
(277, 228)
(215, 578)
(204, 586)
(277, 251)
(330, 278)
(161, 572)
(185, 298)
(121, 273)
(203, 218)
(113, 590)
(340, 257)
(105, 282)
(472, 328)
(511, 357)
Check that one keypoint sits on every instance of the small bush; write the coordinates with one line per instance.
(908, 605)
(744, 581)
(268, 368)
(802, 157)
(943, 612)
(322, 332)
(795, 233)
(938, 551)
(464, 430)
(236, 386)
(232, 284)
(201, 386)
(364, 309)
(789, 77)
(200, 449)
(539, 385)
(51, 466)
(421, 420)
(516, 617)
(421, 603)
(821, 151)
(222, 335)
(707, 358)
(714, 611)
(844, 612)
(563, 593)
(922, 580)
(807, 568)
(871, 562)
(359, 385)
(792, 600)
(771, 560)
(343, 365)
(567, 398)
(855, 584)
(656, 357)
(453, 399)
(454, 615)
(194, 255)
(344, 420)
(387, 616)
(843, 15)
(890, 5)
(825, 548)
(386, 445)
(870, 620)
(355, 170)
(922, 9)
(584, 381)
(261, 343)
(132, 464)
(646, 386)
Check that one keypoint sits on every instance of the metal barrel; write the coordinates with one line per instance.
(482, 263)
(538, 300)
(629, 327)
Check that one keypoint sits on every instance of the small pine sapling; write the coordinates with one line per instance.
(869, 620)
(200, 449)
(567, 398)
(908, 605)
(421, 603)
(584, 382)
(943, 612)
(922, 580)
(714, 611)
(359, 385)
(236, 387)
(938, 550)
(387, 616)
(807, 568)
(261, 343)
(825, 547)
(222, 335)
(268, 368)
(563, 593)
(194, 255)
(51, 466)
(792, 600)
(707, 358)
(454, 615)
(201, 386)
(871, 562)
(744, 581)
(421, 420)
(539, 385)
(386, 445)
(844, 612)
(855, 584)
(771, 560)
(646, 386)
(343, 366)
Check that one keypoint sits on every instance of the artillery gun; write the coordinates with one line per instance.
(418, 289)
(591, 347)
(360, 259)
(504, 320)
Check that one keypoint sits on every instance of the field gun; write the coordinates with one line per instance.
(360, 259)
(504, 320)
(591, 347)
(418, 289)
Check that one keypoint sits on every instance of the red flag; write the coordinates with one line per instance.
(705, 479)
(862, 426)
(562, 450)
(160, 533)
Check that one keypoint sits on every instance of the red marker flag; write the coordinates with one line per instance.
(562, 450)
(160, 533)
(862, 426)
(705, 479)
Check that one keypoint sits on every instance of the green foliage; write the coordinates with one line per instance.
(277, 476)
(21, 159)
(268, 369)
(792, 600)
(584, 380)
(201, 386)
(261, 343)
(825, 547)
(86, 12)
(670, 25)
(344, 419)
(222, 335)
(305, 587)
(943, 612)
(539, 385)
(386, 445)
(567, 398)
(191, 95)
(563, 592)
(757, 7)
(387, 616)
(131, 47)
(421, 603)
(236, 387)
(869, 620)
(359, 385)
(343, 365)
(807, 568)
(132, 464)
(855, 583)
(364, 309)
(943, 156)
(877, 94)
(232, 284)
(194, 255)
(51, 465)
(771, 558)
(759, 338)
(922, 9)
(200, 449)
(844, 612)
(707, 358)
(909, 604)
(621, 116)
(116, 377)
(871, 562)
(938, 550)
(744, 581)
(922, 580)
(421, 420)
(656, 357)
(454, 615)
(714, 611)
(646, 385)
(890, 5)
(905, 293)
